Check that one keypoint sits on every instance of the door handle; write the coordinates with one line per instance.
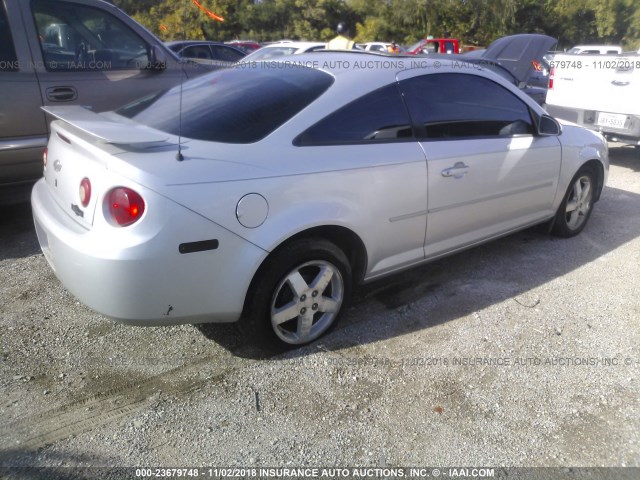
(457, 171)
(61, 94)
(620, 83)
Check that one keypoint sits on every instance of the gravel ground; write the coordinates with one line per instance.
(522, 352)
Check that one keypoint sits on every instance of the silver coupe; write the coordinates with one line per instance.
(263, 192)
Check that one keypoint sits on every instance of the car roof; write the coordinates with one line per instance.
(357, 64)
(353, 67)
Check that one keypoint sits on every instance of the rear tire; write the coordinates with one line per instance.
(577, 204)
(299, 294)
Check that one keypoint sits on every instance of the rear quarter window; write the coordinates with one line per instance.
(377, 117)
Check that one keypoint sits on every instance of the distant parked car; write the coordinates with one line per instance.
(377, 46)
(247, 46)
(519, 59)
(596, 50)
(208, 54)
(281, 49)
(435, 45)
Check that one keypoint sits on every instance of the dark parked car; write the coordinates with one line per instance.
(208, 54)
(519, 59)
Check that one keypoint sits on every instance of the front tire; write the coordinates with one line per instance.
(299, 294)
(577, 204)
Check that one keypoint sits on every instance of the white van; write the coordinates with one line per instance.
(596, 50)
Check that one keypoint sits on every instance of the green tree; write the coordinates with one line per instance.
(405, 21)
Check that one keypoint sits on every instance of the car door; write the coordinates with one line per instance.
(93, 54)
(371, 141)
(23, 132)
(488, 172)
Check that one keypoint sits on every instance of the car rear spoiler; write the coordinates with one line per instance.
(117, 131)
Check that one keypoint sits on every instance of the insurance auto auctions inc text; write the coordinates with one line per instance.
(386, 473)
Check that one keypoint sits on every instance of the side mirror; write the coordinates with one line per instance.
(549, 126)
(157, 58)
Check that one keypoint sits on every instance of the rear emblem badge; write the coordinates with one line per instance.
(57, 166)
(77, 211)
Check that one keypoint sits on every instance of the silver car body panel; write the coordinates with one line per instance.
(391, 195)
(141, 277)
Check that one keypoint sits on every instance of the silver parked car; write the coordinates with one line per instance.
(282, 49)
(276, 188)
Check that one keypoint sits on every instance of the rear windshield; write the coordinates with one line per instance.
(236, 105)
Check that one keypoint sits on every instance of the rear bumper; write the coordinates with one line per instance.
(587, 119)
(140, 277)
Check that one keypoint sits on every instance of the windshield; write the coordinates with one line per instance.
(235, 105)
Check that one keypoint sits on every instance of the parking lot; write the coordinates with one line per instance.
(521, 352)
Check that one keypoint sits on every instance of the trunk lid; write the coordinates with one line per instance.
(81, 146)
(517, 53)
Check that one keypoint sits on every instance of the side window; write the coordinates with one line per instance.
(226, 54)
(8, 59)
(196, 51)
(78, 37)
(379, 116)
(454, 105)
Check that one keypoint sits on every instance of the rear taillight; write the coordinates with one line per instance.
(551, 74)
(85, 192)
(125, 206)
(44, 156)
